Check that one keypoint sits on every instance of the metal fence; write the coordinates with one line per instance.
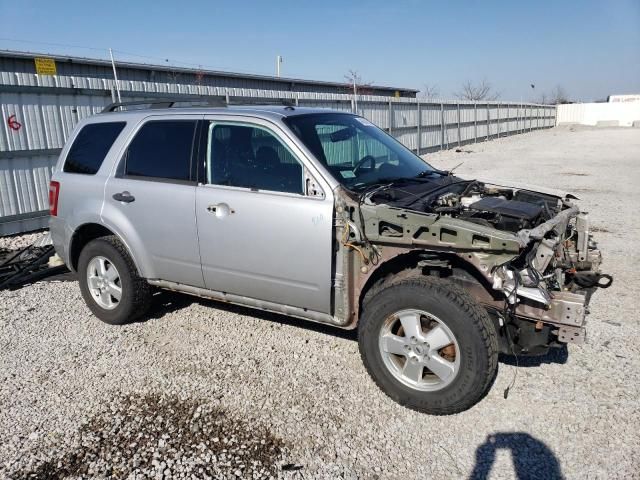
(39, 113)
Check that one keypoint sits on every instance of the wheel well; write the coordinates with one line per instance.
(407, 263)
(83, 235)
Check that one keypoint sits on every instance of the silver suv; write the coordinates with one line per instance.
(320, 215)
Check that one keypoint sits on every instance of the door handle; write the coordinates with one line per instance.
(125, 197)
(220, 209)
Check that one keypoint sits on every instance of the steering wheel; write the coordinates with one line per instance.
(367, 158)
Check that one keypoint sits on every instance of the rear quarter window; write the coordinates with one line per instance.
(90, 147)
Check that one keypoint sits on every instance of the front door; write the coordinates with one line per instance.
(261, 234)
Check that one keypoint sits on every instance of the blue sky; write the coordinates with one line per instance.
(590, 48)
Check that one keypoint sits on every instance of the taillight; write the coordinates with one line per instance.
(54, 192)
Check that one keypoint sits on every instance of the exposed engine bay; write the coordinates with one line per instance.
(488, 205)
(539, 262)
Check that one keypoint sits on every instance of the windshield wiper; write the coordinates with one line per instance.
(387, 183)
(435, 171)
(426, 194)
(368, 187)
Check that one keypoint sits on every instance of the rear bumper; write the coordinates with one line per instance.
(60, 236)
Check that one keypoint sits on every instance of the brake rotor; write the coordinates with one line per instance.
(448, 352)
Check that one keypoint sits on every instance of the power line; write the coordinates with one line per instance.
(164, 60)
(52, 44)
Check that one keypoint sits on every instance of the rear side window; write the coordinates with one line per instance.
(161, 149)
(91, 146)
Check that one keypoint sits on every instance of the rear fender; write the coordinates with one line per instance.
(120, 225)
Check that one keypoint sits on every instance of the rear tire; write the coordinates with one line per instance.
(110, 284)
(428, 345)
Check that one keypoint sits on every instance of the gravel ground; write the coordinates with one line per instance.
(226, 392)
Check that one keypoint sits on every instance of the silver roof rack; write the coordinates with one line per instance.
(207, 101)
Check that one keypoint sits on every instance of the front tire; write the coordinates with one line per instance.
(428, 345)
(109, 282)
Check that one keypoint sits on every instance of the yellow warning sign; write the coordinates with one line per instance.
(45, 66)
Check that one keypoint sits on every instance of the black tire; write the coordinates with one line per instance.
(136, 292)
(469, 323)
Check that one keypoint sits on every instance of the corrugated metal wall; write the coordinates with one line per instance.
(95, 68)
(47, 108)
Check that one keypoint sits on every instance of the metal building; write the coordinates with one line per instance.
(23, 62)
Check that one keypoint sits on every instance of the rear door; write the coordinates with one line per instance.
(263, 232)
(151, 197)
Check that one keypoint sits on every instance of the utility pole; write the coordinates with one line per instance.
(278, 63)
(115, 75)
(355, 94)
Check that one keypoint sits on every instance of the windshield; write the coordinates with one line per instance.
(356, 152)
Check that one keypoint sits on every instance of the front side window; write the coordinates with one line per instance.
(161, 149)
(356, 152)
(251, 157)
(91, 147)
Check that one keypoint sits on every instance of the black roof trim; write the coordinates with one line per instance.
(209, 101)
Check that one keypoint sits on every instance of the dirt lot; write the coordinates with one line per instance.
(221, 391)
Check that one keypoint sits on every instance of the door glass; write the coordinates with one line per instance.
(251, 157)
(161, 149)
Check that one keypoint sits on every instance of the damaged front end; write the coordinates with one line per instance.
(551, 281)
(526, 256)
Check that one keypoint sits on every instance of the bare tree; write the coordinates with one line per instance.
(357, 84)
(543, 99)
(352, 76)
(481, 91)
(430, 92)
(199, 78)
(559, 95)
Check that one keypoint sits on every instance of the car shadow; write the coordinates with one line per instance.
(531, 457)
(165, 301)
(63, 276)
(558, 355)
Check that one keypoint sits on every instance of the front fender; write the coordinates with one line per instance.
(401, 259)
